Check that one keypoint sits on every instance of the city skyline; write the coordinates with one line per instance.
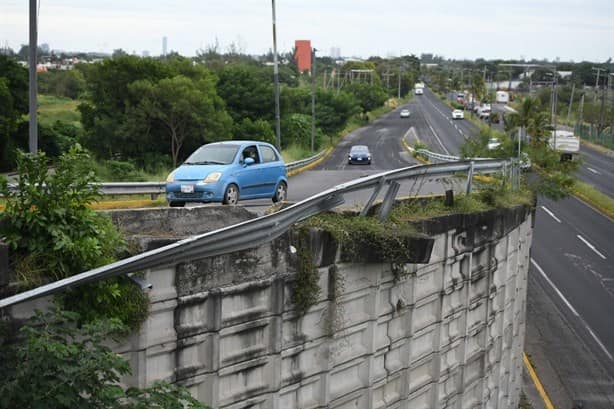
(571, 30)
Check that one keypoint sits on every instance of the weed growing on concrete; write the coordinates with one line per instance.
(306, 288)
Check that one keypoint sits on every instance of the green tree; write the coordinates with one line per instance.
(478, 87)
(248, 92)
(103, 112)
(259, 130)
(189, 111)
(70, 84)
(333, 110)
(369, 96)
(55, 365)
(13, 106)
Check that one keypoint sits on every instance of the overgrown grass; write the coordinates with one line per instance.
(52, 108)
(295, 152)
(599, 200)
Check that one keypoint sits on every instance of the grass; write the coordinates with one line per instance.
(52, 109)
(595, 198)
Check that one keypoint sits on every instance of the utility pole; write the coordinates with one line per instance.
(597, 81)
(313, 97)
(573, 88)
(581, 110)
(275, 80)
(399, 90)
(33, 131)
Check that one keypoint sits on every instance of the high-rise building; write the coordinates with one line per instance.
(164, 46)
(335, 53)
(302, 55)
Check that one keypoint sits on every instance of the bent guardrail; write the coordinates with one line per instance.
(263, 229)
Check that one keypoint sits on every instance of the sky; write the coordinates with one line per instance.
(570, 30)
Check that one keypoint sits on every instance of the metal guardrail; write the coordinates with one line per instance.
(156, 188)
(263, 229)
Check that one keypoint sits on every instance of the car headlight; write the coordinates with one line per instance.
(171, 177)
(212, 177)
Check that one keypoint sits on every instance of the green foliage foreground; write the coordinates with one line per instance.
(53, 234)
(55, 365)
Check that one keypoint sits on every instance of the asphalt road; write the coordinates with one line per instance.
(573, 267)
(597, 169)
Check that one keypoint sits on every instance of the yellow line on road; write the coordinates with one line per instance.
(538, 384)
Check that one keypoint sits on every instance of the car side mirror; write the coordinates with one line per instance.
(249, 161)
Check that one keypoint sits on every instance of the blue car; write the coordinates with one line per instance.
(228, 171)
(359, 154)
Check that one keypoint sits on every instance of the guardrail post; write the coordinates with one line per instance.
(376, 191)
(391, 194)
(469, 178)
(503, 174)
(4, 264)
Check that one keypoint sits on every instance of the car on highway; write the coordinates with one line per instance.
(458, 114)
(493, 143)
(359, 155)
(227, 172)
(405, 113)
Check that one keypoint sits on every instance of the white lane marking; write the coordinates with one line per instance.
(554, 287)
(551, 214)
(598, 341)
(437, 137)
(572, 309)
(593, 170)
(590, 246)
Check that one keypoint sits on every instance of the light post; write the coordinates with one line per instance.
(276, 82)
(33, 131)
(313, 97)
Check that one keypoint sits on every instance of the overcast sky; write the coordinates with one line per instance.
(568, 29)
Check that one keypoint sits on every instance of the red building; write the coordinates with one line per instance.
(302, 55)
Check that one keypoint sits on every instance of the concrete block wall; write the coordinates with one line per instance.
(446, 334)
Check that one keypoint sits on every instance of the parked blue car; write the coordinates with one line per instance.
(228, 172)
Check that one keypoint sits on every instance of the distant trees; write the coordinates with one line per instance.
(13, 106)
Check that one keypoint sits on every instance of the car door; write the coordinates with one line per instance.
(272, 169)
(249, 177)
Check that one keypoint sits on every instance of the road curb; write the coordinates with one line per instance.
(536, 382)
(312, 164)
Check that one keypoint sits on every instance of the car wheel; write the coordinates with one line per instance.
(281, 193)
(176, 204)
(231, 195)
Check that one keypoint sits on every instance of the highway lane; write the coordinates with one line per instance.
(597, 169)
(573, 263)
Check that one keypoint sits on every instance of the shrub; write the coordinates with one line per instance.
(54, 234)
(55, 365)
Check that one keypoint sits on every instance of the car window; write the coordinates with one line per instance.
(213, 154)
(268, 154)
(251, 152)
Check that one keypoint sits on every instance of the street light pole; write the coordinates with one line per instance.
(33, 132)
(313, 97)
(275, 80)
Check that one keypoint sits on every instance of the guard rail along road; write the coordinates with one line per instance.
(266, 228)
(156, 188)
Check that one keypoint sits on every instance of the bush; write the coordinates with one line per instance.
(54, 234)
(55, 365)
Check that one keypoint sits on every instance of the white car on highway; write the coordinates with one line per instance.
(458, 114)
(405, 113)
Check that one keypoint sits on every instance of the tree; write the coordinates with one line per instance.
(333, 110)
(55, 365)
(369, 96)
(478, 88)
(248, 92)
(13, 106)
(258, 130)
(186, 109)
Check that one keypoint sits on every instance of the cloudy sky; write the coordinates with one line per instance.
(568, 29)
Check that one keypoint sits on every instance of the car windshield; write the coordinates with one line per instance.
(213, 155)
(359, 149)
